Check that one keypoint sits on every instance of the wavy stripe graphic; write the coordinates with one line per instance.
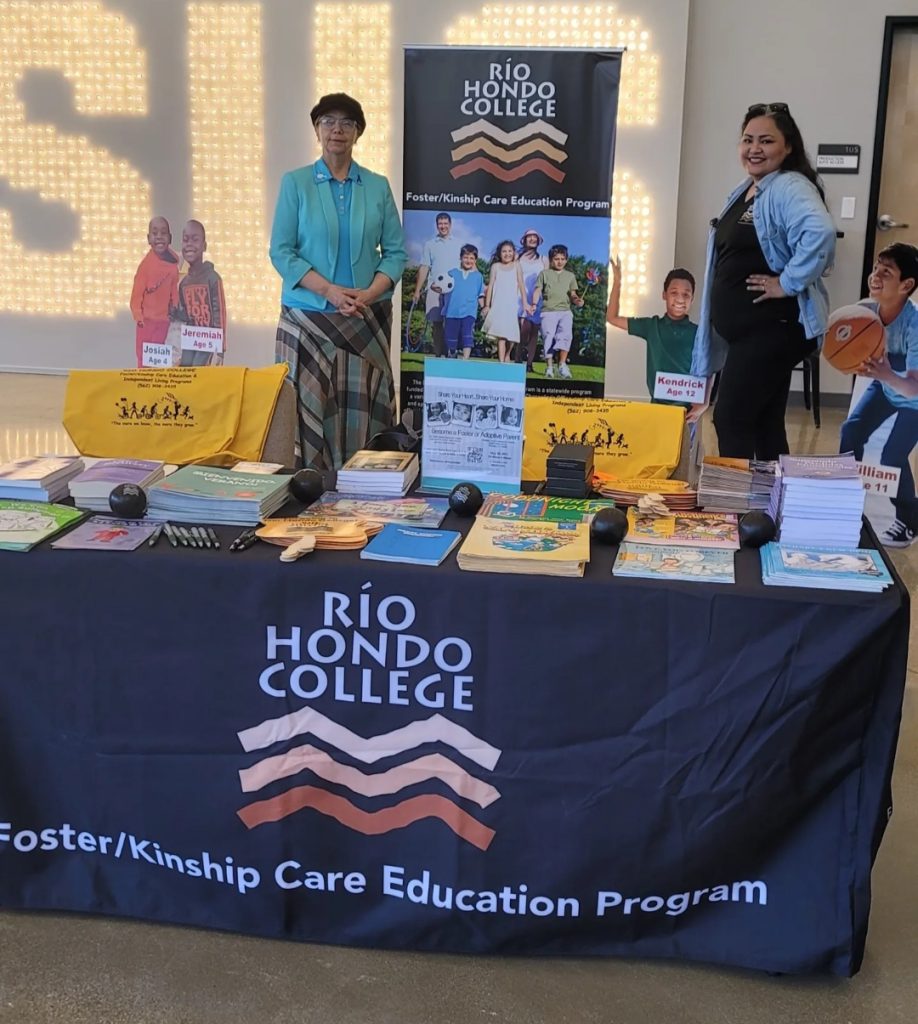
(482, 127)
(370, 823)
(509, 156)
(372, 748)
(482, 163)
(431, 766)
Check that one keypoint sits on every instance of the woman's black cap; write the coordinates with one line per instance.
(339, 101)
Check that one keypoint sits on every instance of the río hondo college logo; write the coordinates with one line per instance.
(310, 762)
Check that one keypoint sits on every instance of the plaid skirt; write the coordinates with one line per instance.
(342, 373)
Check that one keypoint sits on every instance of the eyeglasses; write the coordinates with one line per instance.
(764, 109)
(347, 124)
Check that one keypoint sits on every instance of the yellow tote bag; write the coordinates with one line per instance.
(212, 414)
(629, 439)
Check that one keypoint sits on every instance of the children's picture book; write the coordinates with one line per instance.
(44, 478)
(378, 462)
(542, 507)
(423, 512)
(101, 533)
(526, 546)
(399, 543)
(824, 568)
(264, 468)
(691, 529)
(23, 524)
(657, 561)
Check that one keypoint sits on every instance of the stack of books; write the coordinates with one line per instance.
(569, 470)
(379, 474)
(92, 487)
(735, 485)
(426, 513)
(398, 543)
(526, 546)
(541, 506)
(825, 568)
(41, 478)
(676, 494)
(673, 562)
(203, 494)
(23, 524)
(818, 500)
(685, 529)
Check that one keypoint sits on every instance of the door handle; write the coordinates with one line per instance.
(886, 223)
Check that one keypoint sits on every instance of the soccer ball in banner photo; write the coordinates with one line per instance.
(510, 130)
(443, 283)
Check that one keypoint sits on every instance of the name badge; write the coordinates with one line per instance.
(879, 479)
(154, 355)
(680, 387)
(202, 339)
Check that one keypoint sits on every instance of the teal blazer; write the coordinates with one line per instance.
(305, 233)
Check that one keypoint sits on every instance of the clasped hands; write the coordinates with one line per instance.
(349, 301)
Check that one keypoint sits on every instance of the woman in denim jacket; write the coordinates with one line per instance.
(763, 306)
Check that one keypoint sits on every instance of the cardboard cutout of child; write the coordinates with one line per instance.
(200, 295)
(155, 292)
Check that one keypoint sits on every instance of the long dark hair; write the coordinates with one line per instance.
(797, 159)
(495, 256)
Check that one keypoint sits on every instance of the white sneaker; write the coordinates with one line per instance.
(549, 370)
(897, 536)
(564, 370)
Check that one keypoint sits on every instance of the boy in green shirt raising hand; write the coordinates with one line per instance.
(671, 337)
(557, 288)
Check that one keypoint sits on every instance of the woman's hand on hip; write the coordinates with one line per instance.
(768, 287)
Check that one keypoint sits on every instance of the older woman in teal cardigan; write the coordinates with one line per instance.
(338, 245)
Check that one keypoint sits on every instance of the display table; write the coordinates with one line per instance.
(355, 752)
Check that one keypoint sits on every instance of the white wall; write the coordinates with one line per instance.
(821, 57)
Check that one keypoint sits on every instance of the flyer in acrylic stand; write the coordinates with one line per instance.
(473, 424)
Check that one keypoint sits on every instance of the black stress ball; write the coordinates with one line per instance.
(756, 529)
(465, 500)
(306, 485)
(128, 501)
(609, 526)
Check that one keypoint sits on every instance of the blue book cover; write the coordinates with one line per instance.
(415, 545)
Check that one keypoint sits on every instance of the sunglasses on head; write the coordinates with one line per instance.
(763, 109)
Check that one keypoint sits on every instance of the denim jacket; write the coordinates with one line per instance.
(797, 236)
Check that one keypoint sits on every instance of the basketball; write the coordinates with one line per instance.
(853, 334)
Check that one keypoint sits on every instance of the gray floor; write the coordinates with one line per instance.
(82, 970)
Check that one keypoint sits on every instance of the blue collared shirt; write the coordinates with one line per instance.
(342, 191)
(797, 236)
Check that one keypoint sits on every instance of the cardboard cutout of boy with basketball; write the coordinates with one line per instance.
(878, 340)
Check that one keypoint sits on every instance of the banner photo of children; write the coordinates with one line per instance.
(516, 289)
(177, 301)
(508, 166)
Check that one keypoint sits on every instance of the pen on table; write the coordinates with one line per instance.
(170, 533)
(154, 536)
(234, 545)
(184, 537)
(245, 540)
(201, 534)
(213, 536)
